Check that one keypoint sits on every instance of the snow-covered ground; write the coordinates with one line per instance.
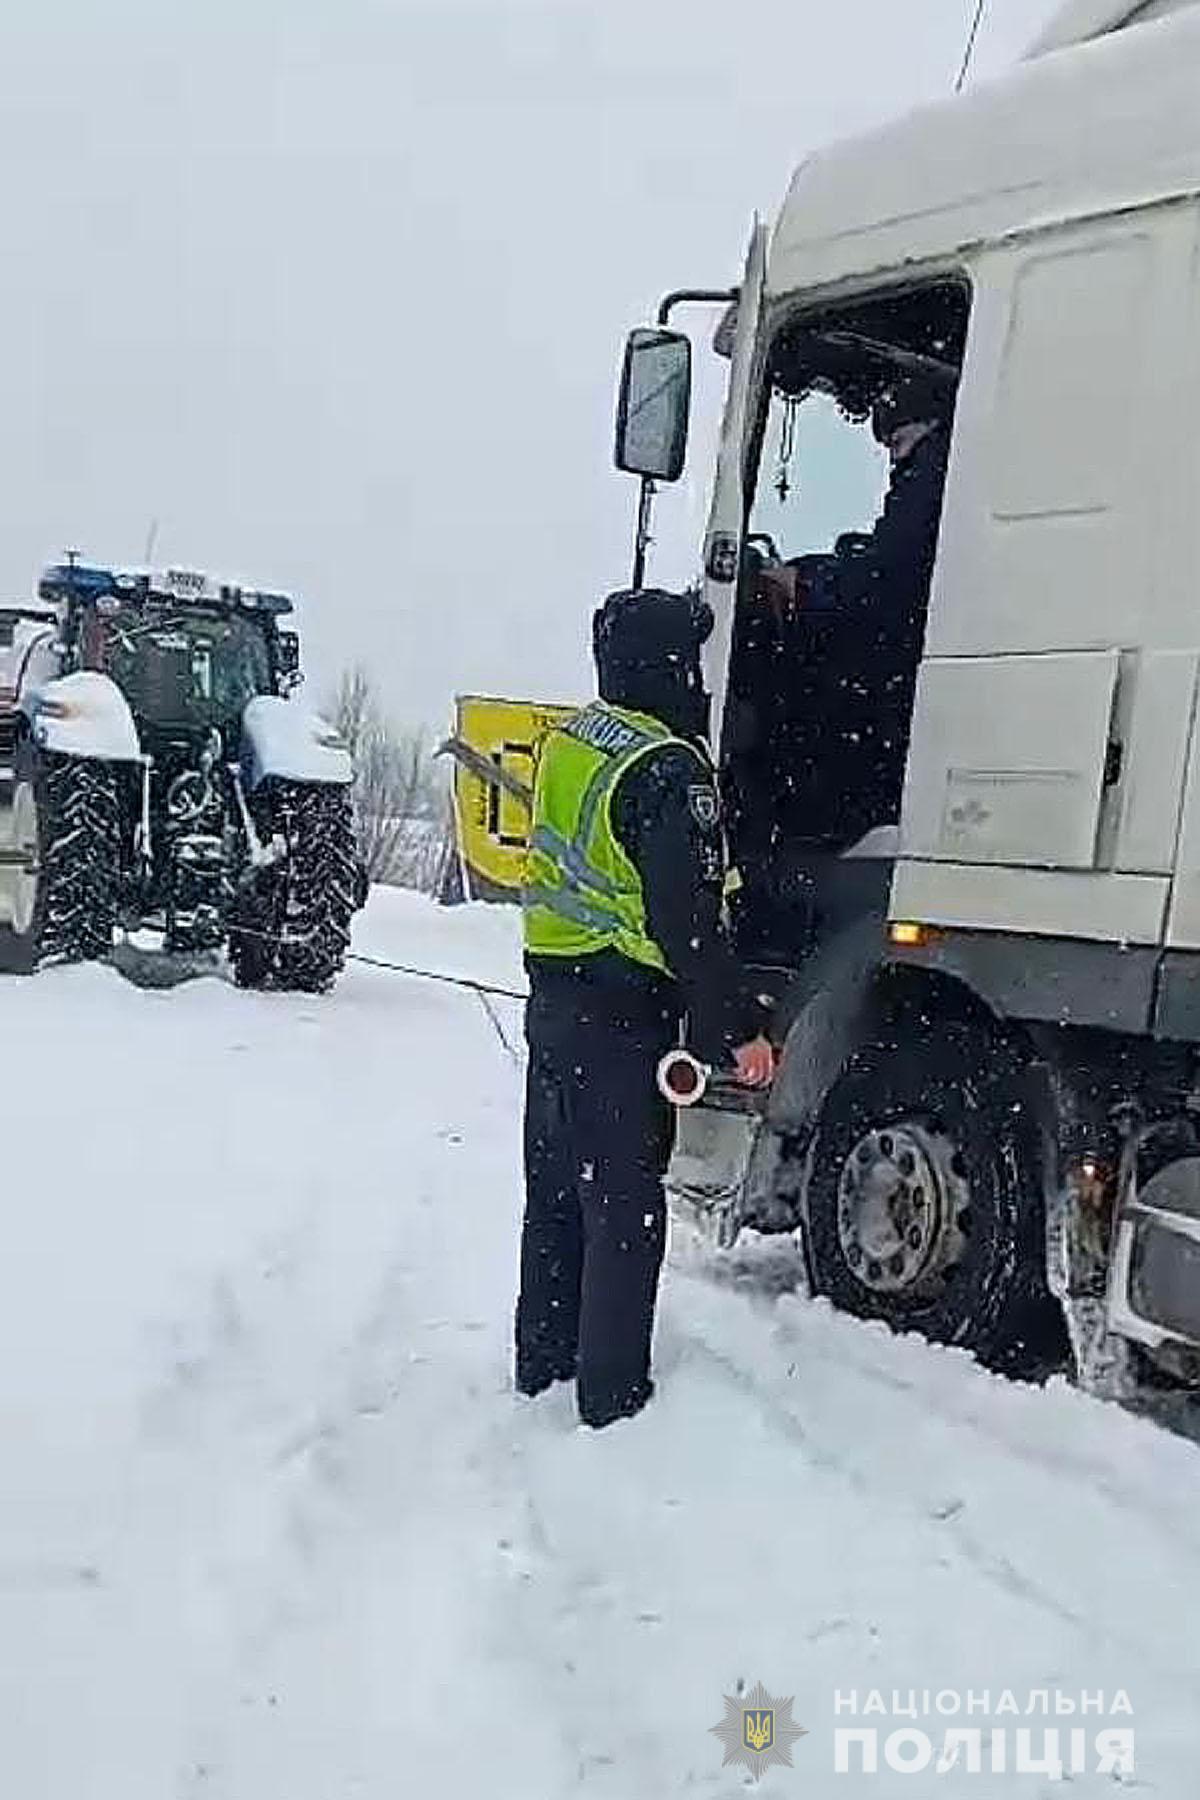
(273, 1527)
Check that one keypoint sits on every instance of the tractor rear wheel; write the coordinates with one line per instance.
(67, 823)
(291, 924)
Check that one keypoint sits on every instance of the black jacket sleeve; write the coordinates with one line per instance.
(892, 565)
(666, 815)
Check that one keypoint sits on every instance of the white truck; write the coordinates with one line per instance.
(985, 1120)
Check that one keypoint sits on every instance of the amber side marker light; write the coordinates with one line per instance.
(911, 936)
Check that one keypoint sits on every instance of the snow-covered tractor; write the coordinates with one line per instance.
(155, 772)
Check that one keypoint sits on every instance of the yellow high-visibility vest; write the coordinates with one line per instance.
(583, 893)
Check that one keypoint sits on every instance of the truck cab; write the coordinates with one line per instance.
(959, 758)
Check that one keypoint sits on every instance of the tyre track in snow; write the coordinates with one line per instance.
(994, 1567)
(1031, 1557)
(392, 1458)
(934, 1383)
(349, 1484)
(951, 1395)
(977, 1578)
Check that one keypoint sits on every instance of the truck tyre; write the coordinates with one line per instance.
(66, 816)
(291, 924)
(925, 1201)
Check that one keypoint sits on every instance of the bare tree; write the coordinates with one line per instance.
(399, 795)
(353, 708)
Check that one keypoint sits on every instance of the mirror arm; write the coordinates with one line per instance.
(695, 297)
(642, 537)
(680, 297)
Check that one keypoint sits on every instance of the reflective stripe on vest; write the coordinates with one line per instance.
(584, 893)
(572, 858)
(569, 904)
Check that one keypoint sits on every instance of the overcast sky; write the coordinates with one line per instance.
(334, 290)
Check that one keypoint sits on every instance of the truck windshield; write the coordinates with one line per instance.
(185, 668)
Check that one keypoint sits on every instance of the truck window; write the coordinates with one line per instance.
(846, 495)
(821, 474)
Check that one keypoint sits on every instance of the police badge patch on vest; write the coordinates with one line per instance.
(704, 806)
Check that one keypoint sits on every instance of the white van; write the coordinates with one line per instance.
(963, 794)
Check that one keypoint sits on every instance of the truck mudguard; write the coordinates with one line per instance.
(280, 739)
(84, 715)
(830, 1007)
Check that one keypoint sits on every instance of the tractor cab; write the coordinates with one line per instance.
(188, 653)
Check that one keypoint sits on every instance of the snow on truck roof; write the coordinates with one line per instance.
(1096, 126)
(1082, 19)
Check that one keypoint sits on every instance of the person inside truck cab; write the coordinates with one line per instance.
(893, 562)
(881, 581)
(908, 420)
(829, 648)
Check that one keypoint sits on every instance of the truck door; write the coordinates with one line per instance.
(1055, 699)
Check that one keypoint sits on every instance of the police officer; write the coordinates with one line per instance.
(623, 930)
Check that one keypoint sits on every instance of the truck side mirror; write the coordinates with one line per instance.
(655, 405)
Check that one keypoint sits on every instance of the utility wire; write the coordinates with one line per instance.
(972, 39)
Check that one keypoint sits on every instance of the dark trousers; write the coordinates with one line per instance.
(597, 1141)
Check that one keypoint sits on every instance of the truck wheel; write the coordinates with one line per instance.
(66, 818)
(291, 925)
(924, 1199)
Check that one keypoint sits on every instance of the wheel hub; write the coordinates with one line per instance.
(902, 1204)
(25, 843)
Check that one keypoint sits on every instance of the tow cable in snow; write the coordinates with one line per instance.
(379, 962)
(484, 991)
(462, 981)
